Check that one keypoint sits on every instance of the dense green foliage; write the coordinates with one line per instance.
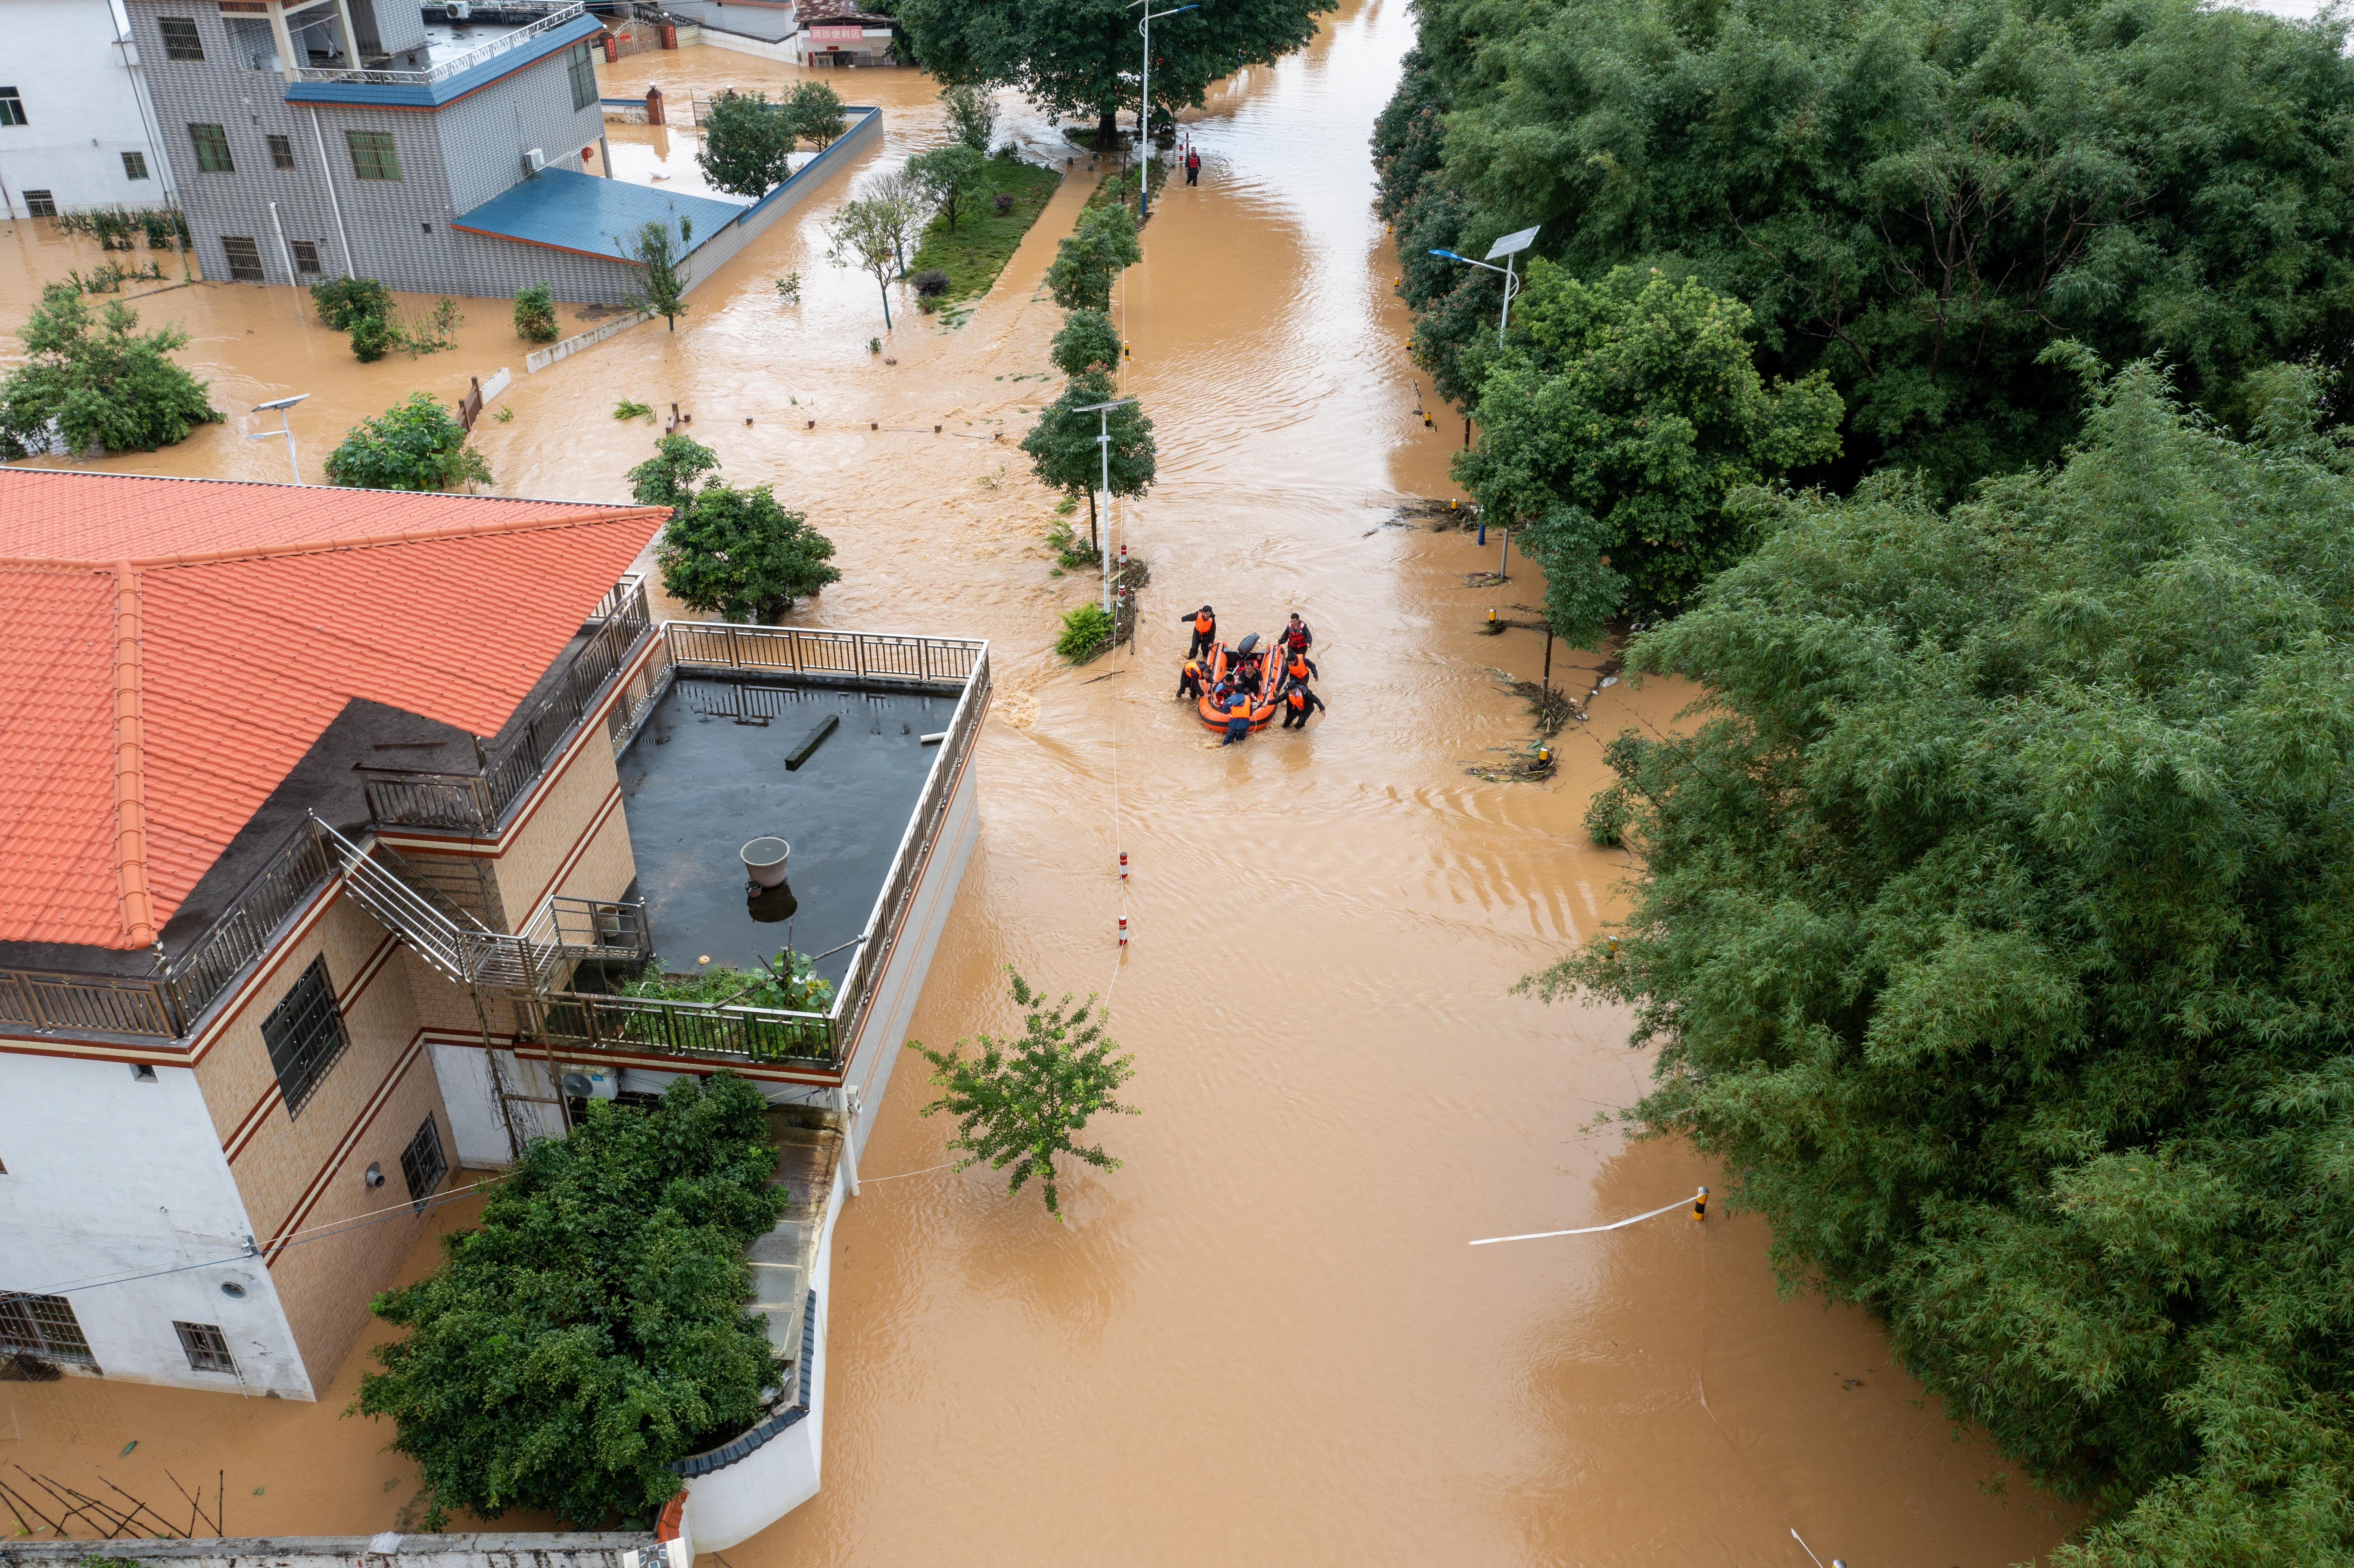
(1095, 253)
(818, 112)
(789, 980)
(1065, 452)
(1614, 428)
(343, 302)
(98, 380)
(949, 178)
(1996, 934)
(668, 478)
(592, 1328)
(972, 115)
(535, 314)
(1089, 341)
(1082, 57)
(973, 255)
(1021, 1102)
(1915, 199)
(416, 444)
(738, 554)
(748, 143)
(1086, 631)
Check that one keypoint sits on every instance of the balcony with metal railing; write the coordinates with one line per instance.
(452, 49)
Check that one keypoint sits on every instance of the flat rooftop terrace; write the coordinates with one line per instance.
(707, 774)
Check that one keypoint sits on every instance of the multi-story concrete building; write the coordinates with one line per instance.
(328, 820)
(76, 129)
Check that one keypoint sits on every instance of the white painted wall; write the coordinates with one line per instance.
(110, 1177)
(475, 1125)
(84, 108)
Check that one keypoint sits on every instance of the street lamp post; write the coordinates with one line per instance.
(1144, 108)
(1509, 247)
(284, 429)
(1102, 412)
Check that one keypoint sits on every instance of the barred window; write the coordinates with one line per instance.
(134, 165)
(305, 1036)
(244, 258)
(43, 1325)
(373, 157)
(212, 149)
(423, 1162)
(208, 1348)
(281, 152)
(40, 204)
(180, 39)
(12, 107)
(306, 255)
(584, 75)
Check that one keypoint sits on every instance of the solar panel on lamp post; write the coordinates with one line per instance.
(1144, 108)
(1102, 412)
(285, 427)
(1509, 247)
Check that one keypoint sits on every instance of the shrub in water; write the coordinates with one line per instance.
(535, 314)
(344, 303)
(931, 283)
(1086, 630)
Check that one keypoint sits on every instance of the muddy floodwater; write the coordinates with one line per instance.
(1263, 1340)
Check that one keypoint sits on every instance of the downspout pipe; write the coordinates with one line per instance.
(327, 173)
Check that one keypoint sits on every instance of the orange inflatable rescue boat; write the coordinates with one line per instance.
(1223, 661)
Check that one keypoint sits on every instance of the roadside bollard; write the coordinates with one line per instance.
(1123, 930)
(1123, 865)
(1491, 617)
(1483, 527)
(1700, 1204)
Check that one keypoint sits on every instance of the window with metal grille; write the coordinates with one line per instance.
(244, 262)
(306, 255)
(423, 1162)
(373, 157)
(180, 39)
(212, 149)
(304, 1032)
(281, 152)
(584, 75)
(208, 1348)
(43, 1325)
(134, 165)
(12, 107)
(40, 204)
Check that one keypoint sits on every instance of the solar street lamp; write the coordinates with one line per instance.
(1144, 109)
(284, 429)
(1509, 247)
(1102, 412)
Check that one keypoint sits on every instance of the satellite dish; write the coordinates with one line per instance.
(1513, 244)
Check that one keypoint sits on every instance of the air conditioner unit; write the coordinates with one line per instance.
(535, 161)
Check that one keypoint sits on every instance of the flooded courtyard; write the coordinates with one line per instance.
(1265, 1339)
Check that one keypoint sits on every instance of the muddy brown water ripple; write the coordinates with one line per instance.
(1264, 1339)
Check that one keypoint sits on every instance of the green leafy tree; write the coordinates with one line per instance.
(818, 114)
(416, 444)
(535, 314)
(1067, 455)
(668, 478)
(948, 177)
(592, 1328)
(1617, 423)
(1916, 210)
(748, 143)
(661, 286)
(972, 115)
(1023, 1102)
(343, 302)
(1087, 259)
(738, 554)
(1994, 928)
(1087, 343)
(1080, 57)
(867, 233)
(98, 380)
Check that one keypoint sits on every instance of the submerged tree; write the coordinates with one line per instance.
(748, 143)
(1067, 453)
(949, 176)
(818, 112)
(97, 381)
(1089, 341)
(972, 115)
(1080, 57)
(668, 478)
(416, 444)
(591, 1329)
(737, 552)
(1092, 256)
(867, 233)
(661, 287)
(1023, 1102)
(1618, 422)
(1995, 932)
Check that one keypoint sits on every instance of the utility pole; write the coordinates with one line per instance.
(1102, 412)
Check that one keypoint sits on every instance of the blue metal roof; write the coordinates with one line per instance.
(387, 95)
(569, 211)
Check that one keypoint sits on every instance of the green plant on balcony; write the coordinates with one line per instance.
(789, 981)
(592, 1328)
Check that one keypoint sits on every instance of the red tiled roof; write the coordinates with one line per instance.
(174, 647)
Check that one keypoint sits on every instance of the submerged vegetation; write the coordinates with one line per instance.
(974, 250)
(93, 379)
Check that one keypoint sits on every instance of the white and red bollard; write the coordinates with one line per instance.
(1123, 865)
(1123, 930)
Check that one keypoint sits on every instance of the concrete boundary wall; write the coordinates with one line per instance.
(602, 1549)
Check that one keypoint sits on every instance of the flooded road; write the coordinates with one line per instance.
(1264, 1340)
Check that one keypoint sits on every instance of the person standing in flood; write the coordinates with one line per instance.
(1298, 701)
(1238, 719)
(1206, 631)
(1189, 680)
(1193, 167)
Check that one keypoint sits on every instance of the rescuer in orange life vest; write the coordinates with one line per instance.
(1189, 680)
(1206, 631)
(1299, 669)
(1238, 719)
(1299, 702)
